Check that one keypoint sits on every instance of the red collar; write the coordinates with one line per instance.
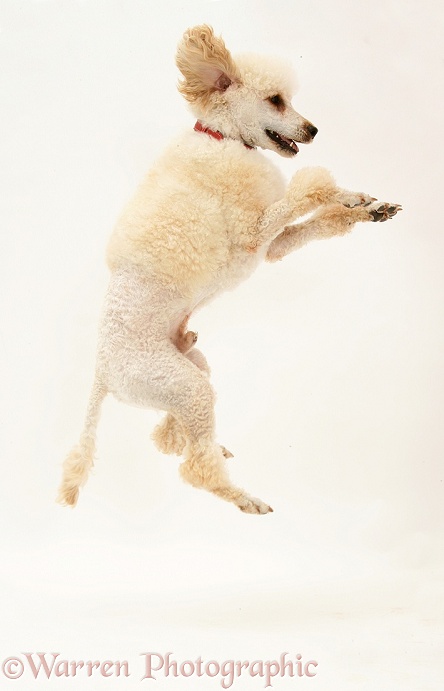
(215, 134)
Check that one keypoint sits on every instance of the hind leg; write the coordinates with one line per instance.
(204, 468)
(184, 391)
(169, 436)
(204, 465)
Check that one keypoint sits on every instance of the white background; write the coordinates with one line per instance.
(328, 366)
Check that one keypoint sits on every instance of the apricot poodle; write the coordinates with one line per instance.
(209, 211)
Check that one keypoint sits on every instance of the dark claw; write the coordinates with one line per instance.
(372, 199)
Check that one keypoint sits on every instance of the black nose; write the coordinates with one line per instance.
(313, 130)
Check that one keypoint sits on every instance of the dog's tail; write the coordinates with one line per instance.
(80, 460)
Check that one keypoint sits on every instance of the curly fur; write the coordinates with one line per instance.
(206, 65)
(205, 216)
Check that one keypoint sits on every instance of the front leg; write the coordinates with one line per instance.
(309, 189)
(336, 219)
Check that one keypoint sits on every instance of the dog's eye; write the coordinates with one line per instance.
(277, 101)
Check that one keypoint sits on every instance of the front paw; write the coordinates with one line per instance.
(352, 199)
(383, 211)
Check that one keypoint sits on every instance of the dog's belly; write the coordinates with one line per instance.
(140, 311)
(239, 269)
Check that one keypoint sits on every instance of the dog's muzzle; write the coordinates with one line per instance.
(289, 145)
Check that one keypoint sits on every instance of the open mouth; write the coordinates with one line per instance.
(288, 145)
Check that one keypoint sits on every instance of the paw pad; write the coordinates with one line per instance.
(383, 212)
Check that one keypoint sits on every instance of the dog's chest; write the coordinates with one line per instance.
(193, 223)
(238, 269)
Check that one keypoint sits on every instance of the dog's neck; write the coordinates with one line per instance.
(215, 134)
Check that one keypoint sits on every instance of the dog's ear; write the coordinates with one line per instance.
(205, 63)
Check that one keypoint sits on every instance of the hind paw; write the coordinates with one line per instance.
(253, 505)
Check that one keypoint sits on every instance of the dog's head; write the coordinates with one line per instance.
(248, 99)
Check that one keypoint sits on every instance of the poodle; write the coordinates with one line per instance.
(209, 211)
